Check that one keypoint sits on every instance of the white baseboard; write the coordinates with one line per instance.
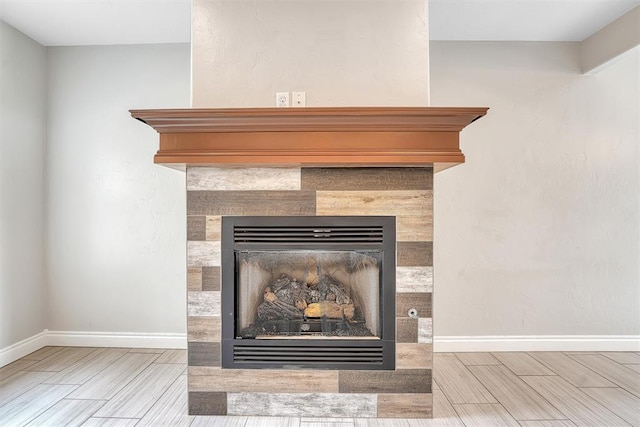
(442, 344)
(22, 348)
(90, 339)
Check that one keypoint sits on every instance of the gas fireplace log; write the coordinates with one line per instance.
(330, 309)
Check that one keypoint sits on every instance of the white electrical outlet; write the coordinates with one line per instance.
(282, 99)
(299, 99)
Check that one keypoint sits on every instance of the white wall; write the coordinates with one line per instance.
(116, 221)
(538, 233)
(341, 53)
(22, 151)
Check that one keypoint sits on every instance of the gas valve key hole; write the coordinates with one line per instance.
(412, 312)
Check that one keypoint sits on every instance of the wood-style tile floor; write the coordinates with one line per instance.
(66, 386)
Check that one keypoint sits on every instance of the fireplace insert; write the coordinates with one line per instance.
(313, 292)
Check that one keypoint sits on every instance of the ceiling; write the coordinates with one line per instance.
(104, 22)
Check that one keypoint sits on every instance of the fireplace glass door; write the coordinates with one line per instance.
(308, 292)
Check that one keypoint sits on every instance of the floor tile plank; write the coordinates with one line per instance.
(18, 383)
(86, 368)
(114, 377)
(380, 422)
(172, 407)
(173, 356)
(61, 359)
(29, 405)
(492, 414)
(110, 422)
(623, 357)
(517, 397)
(42, 353)
(478, 359)
(571, 370)
(624, 377)
(548, 423)
(273, 422)
(575, 404)
(443, 414)
(635, 368)
(618, 401)
(522, 364)
(218, 421)
(17, 366)
(457, 383)
(137, 397)
(68, 413)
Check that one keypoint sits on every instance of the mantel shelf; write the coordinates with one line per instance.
(338, 137)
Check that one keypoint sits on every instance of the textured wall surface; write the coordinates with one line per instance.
(402, 192)
(363, 52)
(115, 220)
(22, 186)
(538, 233)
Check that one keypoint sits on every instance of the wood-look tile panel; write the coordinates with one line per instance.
(414, 254)
(207, 403)
(14, 385)
(548, 423)
(400, 381)
(522, 364)
(635, 368)
(173, 356)
(415, 228)
(196, 227)
(396, 203)
(443, 414)
(406, 329)
(414, 356)
(17, 366)
(114, 377)
(84, 369)
(302, 404)
(571, 370)
(421, 301)
(381, 179)
(457, 382)
(425, 330)
(514, 394)
(624, 377)
(241, 179)
(379, 422)
(392, 405)
(620, 402)
(218, 421)
(42, 353)
(210, 278)
(203, 353)
(203, 254)
(171, 409)
(137, 397)
(414, 279)
(272, 422)
(194, 278)
(203, 304)
(68, 413)
(110, 422)
(32, 403)
(203, 329)
(262, 380)
(483, 415)
(477, 359)
(61, 359)
(273, 203)
(214, 227)
(623, 357)
(573, 403)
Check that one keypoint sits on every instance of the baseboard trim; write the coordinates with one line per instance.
(444, 344)
(22, 348)
(116, 339)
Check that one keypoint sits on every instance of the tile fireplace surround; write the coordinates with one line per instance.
(311, 162)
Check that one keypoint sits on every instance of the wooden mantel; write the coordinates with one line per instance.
(363, 136)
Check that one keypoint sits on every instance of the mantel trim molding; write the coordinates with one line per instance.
(347, 136)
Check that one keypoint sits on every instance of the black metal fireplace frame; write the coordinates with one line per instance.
(315, 233)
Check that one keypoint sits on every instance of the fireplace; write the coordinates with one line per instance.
(307, 164)
(308, 292)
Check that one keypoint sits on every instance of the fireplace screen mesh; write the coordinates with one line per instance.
(308, 293)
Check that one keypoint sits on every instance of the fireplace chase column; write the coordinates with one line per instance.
(311, 162)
